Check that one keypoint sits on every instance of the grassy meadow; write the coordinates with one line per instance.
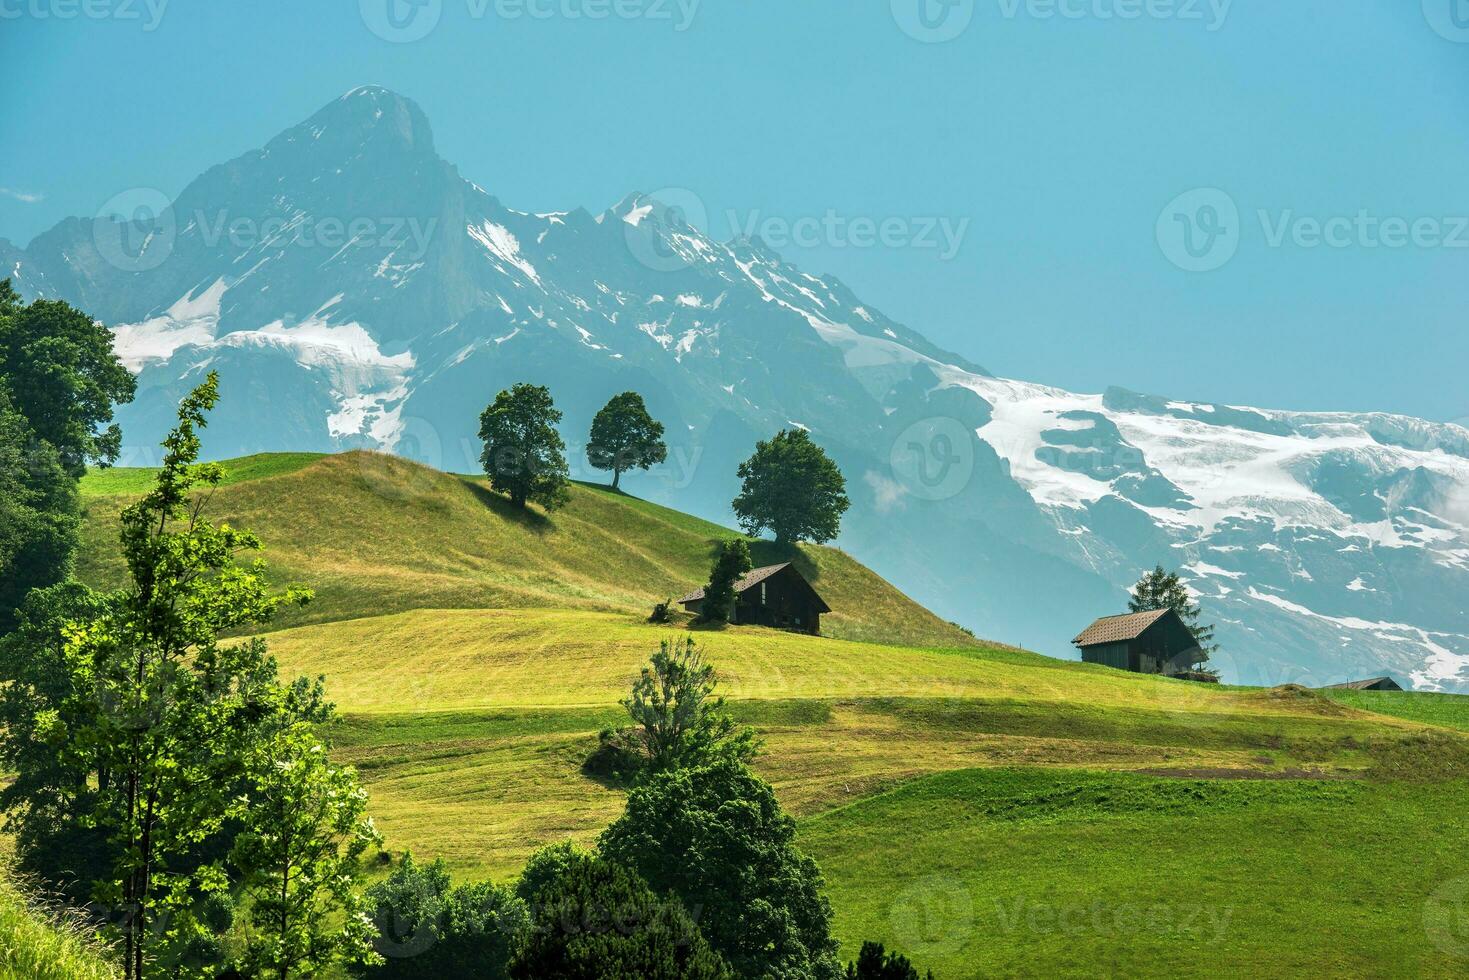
(37, 943)
(986, 810)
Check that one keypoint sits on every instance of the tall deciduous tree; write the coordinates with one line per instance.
(299, 854)
(717, 839)
(793, 488)
(1160, 589)
(683, 722)
(38, 513)
(63, 377)
(59, 380)
(161, 709)
(524, 456)
(730, 565)
(625, 437)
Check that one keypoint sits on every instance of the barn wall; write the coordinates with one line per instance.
(1109, 655)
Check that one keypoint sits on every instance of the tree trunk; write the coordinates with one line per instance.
(616, 475)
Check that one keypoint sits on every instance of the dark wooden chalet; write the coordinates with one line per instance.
(1155, 642)
(775, 595)
(1370, 684)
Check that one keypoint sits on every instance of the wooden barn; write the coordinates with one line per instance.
(1155, 642)
(775, 595)
(1370, 684)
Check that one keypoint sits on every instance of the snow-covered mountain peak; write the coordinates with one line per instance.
(373, 297)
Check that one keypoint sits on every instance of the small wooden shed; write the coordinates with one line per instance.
(775, 595)
(1153, 642)
(1370, 684)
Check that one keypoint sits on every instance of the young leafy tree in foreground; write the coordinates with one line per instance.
(625, 437)
(683, 723)
(160, 712)
(716, 838)
(524, 456)
(307, 830)
(730, 565)
(1161, 589)
(596, 920)
(793, 488)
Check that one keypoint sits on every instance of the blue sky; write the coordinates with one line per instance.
(1055, 133)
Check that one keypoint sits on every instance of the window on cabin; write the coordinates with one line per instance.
(762, 593)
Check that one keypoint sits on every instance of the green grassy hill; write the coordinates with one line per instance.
(986, 810)
(373, 534)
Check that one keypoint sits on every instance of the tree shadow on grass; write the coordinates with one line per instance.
(533, 520)
(764, 552)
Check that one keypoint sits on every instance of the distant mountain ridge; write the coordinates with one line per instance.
(354, 289)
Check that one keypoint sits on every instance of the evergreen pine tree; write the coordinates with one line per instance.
(1160, 589)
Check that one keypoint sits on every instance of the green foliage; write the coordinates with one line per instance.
(299, 857)
(620, 758)
(876, 963)
(793, 488)
(59, 380)
(39, 516)
(428, 929)
(625, 437)
(595, 920)
(61, 375)
(683, 723)
(524, 456)
(150, 718)
(717, 839)
(547, 866)
(1160, 589)
(52, 796)
(730, 565)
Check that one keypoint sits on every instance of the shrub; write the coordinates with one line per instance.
(597, 920)
(620, 756)
(429, 929)
(875, 963)
(716, 838)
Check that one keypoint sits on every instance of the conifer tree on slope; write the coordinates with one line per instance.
(1160, 589)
